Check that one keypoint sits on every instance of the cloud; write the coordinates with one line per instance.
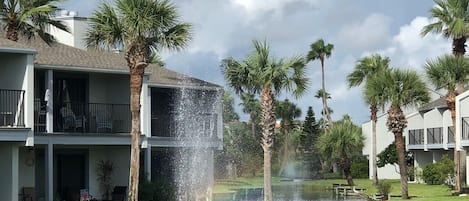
(369, 34)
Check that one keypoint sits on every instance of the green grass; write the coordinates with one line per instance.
(422, 192)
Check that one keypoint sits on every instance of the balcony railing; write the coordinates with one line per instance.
(465, 128)
(435, 135)
(11, 108)
(86, 118)
(416, 137)
(450, 134)
(185, 125)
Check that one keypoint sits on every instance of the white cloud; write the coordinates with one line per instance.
(369, 34)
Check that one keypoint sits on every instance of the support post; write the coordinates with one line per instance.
(49, 98)
(49, 172)
(14, 172)
(148, 163)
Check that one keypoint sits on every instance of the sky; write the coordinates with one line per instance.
(358, 28)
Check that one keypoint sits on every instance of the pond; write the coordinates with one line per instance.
(295, 192)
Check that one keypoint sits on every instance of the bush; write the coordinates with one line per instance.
(437, 173)
(384, 188)
(151, 191)
(360, 168)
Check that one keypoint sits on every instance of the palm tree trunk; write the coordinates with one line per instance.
(400, 148)
(397, 123)
(253, 125)
(451, 102)
(268, 123)
(12, 30)
(459, 46)
(346, 167)
(374, 119)
(324, 96)
(137, 68)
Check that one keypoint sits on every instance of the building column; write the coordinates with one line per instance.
(49, 98)
(49, 172)
(14, 172)
(148, 163)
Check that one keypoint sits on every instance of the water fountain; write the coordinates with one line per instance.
(196, 116)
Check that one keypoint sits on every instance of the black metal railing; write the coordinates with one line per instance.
(184, 125)
(435, 135)
(416, 136)
(450, 134)
(11, 108)
(465, 128)
(86, 118)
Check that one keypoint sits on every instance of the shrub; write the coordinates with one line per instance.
(384, 188)
(437, 173)
(359, 168)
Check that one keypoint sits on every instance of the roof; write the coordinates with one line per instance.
(161, 76)
(438, 103)
(10, 46)
(66, 57)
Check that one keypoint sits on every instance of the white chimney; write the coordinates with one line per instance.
(73, 13)
(64, 13)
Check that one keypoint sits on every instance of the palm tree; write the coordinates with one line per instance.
(261, 74)
(29, 18)
(319, 50)
(452, 20)
(448, 72)
(251, 106)
(140, 27)
(341, 140)
(325, 110)
(287, 112)
(399, 88)
(368, 67)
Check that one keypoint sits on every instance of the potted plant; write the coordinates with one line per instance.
(104, 171)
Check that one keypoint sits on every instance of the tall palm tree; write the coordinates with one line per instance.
(251, 106)
(368, 67)
(399, 88)
(325, 110)
(140, 27)
(261, 74)
(287, 112)
(319, 50)
(341, 140)
(448, 72)
(29, 18)
(452, 20)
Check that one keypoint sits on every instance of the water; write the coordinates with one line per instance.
(196, 117)
(284, 193)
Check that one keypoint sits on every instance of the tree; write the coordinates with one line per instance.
(369, 67)
(308, 141)
(251, 106)
(341, 140)
(399, 88)
(140, 27)
(29, 18)
(448, 72)
(320, 95)
(451, 20)
(261, 74)
(389, 156)
(287, 112)
(319, 50)
(229, 114)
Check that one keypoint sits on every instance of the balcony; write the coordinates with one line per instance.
(416, 137)
(450, 134)
(435, 135)
(11, 108)
(465, 128)
(86, 118)
(185, 125)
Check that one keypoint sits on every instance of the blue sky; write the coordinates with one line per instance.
(224, 28)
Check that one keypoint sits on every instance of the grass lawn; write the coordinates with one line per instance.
(422, 191)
